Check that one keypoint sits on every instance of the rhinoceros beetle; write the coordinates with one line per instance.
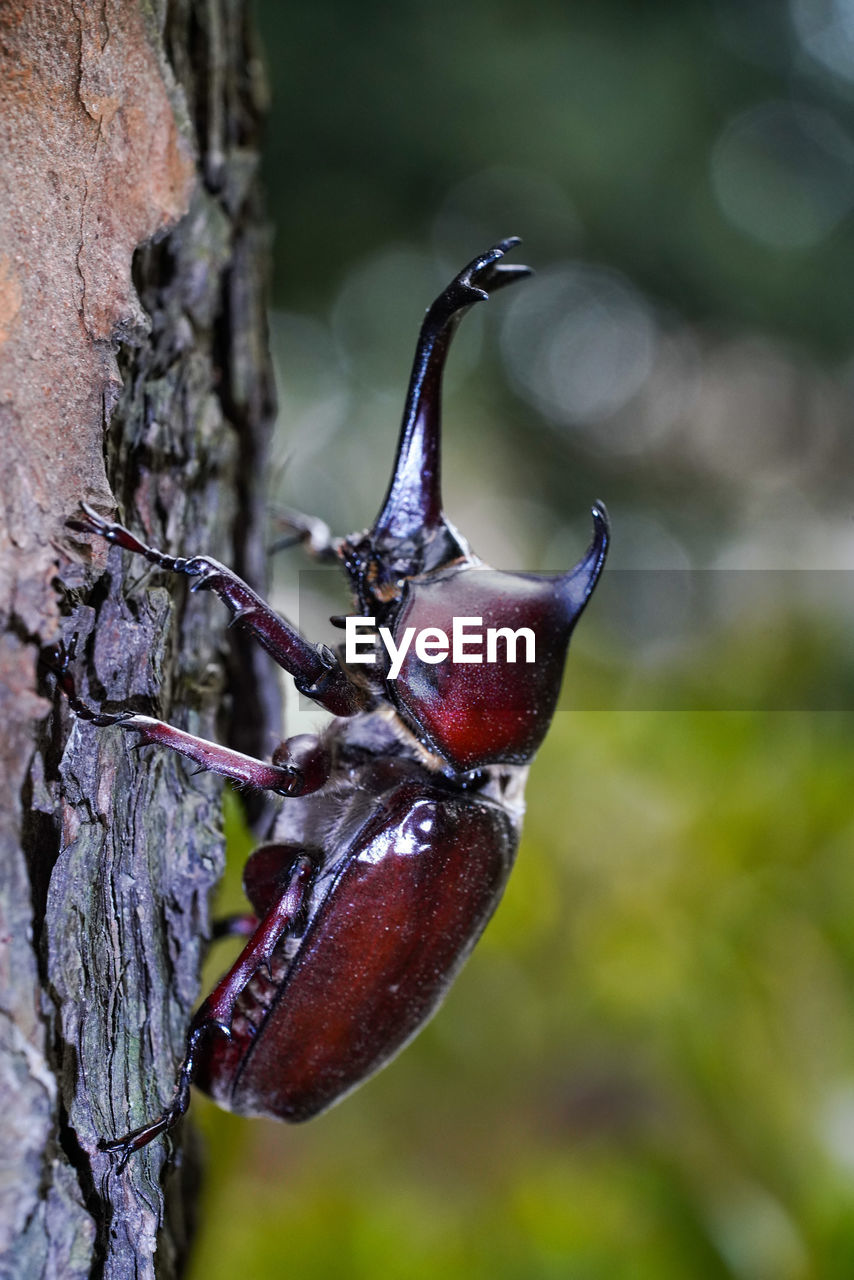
(402, 818)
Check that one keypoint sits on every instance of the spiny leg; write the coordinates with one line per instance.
(315, 670)
(298, 529)
(216, 1013)
(218, 1009)
(299, 766)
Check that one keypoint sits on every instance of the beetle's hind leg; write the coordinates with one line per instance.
(125, 1146)
(283, 915)
(215, 1016)
(315, 670)
(299, 765)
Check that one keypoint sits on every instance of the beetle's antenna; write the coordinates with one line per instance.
(413, 504)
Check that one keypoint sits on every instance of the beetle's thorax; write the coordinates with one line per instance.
(411, 743)
(372, 753)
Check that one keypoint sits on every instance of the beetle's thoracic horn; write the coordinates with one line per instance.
(577, 585)
(413, 504)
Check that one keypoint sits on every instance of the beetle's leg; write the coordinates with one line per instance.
(315, 670)
(299, 765)
(314, 534)
(241, 925)
(124, 1147)
(216, 1013)
(218, 1009)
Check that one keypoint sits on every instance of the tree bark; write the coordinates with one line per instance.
(134, 378)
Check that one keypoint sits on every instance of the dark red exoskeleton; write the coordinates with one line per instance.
(402, 818)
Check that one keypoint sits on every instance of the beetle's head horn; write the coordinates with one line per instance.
(412, 510)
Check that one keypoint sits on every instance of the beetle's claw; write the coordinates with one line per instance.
(59, 657)
(89, 522)
(119, 1147)
(500, 274)
(487, 273)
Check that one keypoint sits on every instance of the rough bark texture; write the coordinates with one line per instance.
(135, 377)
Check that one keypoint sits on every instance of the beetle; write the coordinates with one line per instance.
(402, 818)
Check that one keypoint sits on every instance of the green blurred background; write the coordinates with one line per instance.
(647, 1069)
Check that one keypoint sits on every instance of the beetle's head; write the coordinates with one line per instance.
(416, 573)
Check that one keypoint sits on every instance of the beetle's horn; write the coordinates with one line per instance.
(577, 585)
(413, 504)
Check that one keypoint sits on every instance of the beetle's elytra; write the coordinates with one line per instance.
(402, 818)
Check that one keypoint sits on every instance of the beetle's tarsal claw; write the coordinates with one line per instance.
(488, 273)
(58, 658)
(120, 1150)
(601, 524)
(89, 521)
(503, 274)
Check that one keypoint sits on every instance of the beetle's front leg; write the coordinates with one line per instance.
(216, 1013)
(316, 671)
(300, 765)
(312, 533)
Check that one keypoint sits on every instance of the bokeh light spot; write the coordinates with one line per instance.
(579, 343)
(783, 173)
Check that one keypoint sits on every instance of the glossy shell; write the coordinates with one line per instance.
(475, 714)
(404, 910)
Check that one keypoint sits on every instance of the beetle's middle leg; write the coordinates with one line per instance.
(316, 671)
(240, 925)
(299, 765)
(216, 1013)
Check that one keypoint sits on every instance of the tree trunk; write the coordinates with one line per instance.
(134, 377)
